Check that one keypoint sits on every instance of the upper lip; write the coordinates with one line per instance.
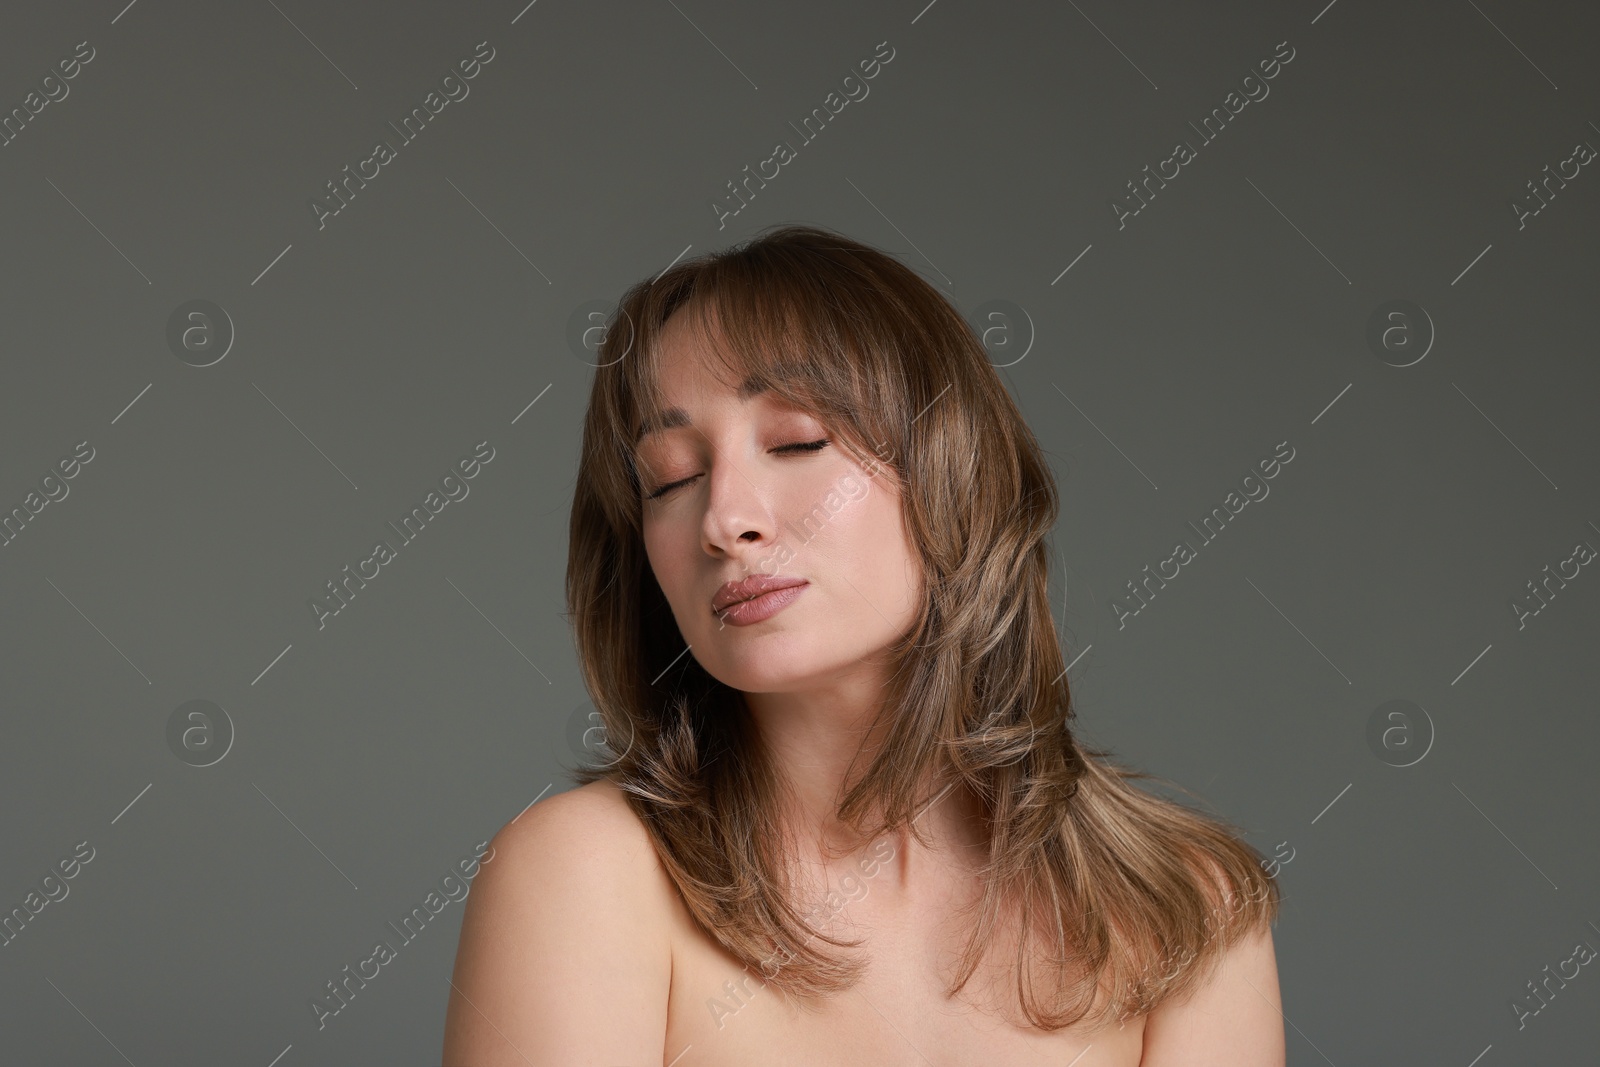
(746, 588)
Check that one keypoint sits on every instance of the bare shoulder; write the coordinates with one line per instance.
(565, 952)
(1234, 1018)
(593, 823)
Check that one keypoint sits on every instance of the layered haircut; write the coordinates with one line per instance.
(1119, 899)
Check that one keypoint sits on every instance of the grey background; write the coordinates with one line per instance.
(1226, 317)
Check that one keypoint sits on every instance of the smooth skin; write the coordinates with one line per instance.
(565, 955)
(1233, 1020)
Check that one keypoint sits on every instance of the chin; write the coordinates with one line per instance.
(768, 668)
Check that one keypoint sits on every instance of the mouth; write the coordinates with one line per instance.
(749, 589)
(763, 607)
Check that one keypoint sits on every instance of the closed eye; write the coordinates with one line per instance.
(802, 447)
(807, 446)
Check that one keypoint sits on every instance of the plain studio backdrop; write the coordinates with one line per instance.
(243, 342)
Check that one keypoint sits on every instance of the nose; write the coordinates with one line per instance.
(738, 518)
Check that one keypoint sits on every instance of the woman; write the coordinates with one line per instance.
(846, 821)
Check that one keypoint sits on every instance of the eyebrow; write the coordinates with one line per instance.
(672, 418)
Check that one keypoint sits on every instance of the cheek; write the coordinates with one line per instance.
(870, 545)
(663, 550)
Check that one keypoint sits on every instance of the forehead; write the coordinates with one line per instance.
(673, 417)
(693, 358)
(691, 353)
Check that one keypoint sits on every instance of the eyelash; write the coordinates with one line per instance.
(802, 447)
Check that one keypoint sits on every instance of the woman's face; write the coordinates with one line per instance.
(740, 504)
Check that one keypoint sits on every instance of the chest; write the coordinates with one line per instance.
(898, 1015)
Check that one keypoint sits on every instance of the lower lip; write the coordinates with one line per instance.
(764, 606)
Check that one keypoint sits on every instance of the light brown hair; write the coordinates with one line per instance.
(1115, 882)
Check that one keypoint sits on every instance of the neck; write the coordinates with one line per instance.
(821, 743)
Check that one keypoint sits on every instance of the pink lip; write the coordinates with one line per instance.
(762, 607)
(748, 588)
